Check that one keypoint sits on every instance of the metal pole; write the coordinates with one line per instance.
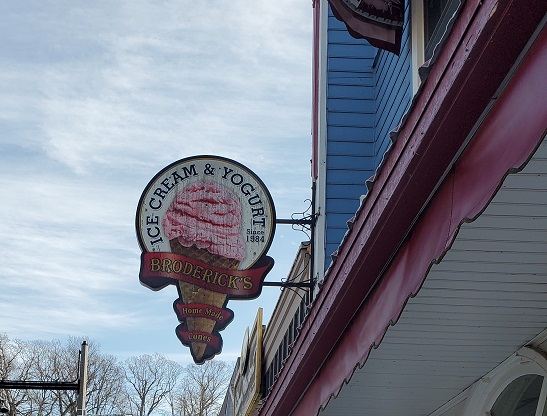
(38, 385)
(82, 384)
(302, 285)
(312, 241)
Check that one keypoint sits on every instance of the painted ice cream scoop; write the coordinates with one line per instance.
(203, 222)
(206, 215)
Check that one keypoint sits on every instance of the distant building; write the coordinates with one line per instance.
(430, 165)
(266, 348)
(227, 408)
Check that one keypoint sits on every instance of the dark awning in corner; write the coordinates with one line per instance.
(380, 22)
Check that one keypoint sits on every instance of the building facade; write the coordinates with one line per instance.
(430, 251)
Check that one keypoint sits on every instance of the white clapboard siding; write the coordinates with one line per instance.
(483, 301)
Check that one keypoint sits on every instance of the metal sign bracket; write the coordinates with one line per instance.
(307, 223)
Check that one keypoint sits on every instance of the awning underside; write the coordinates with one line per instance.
(379, 22)
(481, 303)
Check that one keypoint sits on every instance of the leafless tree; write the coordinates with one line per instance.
(105, 379)
(16, 362)
(149, 380)
(140, 386)
(105, 384)
(56, 361)
(202, 389)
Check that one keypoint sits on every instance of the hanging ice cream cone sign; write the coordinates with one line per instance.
(204, 225)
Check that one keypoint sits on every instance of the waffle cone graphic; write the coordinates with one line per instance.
(194, 294)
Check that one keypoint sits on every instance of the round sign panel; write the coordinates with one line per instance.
(211, 205)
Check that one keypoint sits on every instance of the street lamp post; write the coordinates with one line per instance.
(82, 385)
(79, 385)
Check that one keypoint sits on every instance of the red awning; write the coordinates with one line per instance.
(380, 22)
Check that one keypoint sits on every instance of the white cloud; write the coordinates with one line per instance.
(97, 98)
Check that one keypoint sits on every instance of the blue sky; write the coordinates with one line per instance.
(95, 99)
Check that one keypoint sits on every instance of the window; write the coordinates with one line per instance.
(517, 387)
(520, 397)
(283, 350)
(291, 332)
(437, 13)
(429, 20)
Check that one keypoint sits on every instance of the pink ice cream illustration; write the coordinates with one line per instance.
(206, 215)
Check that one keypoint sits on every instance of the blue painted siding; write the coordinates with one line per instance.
(393, 81)
(350, 133)
(368, 92)
(350, 128)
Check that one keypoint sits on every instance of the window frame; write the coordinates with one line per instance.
(417, 35)
(487, 390)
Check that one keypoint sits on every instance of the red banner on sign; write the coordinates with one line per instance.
(192, 310)
(159, 269)
(186, 337)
